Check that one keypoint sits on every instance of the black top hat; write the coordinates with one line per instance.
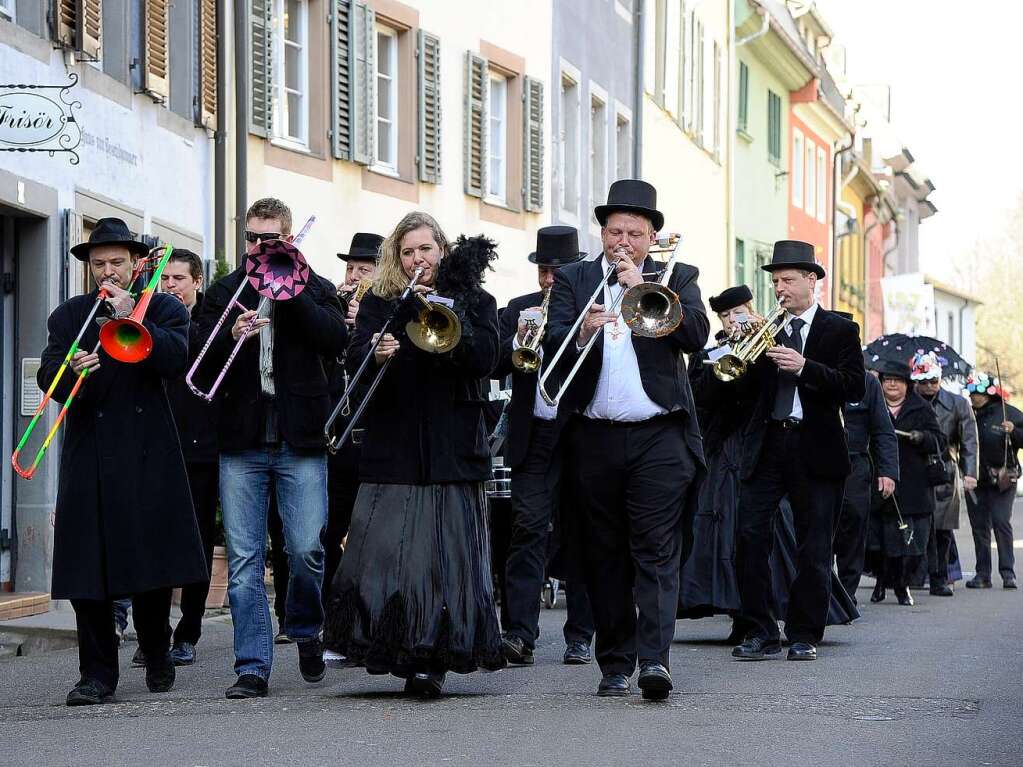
(631, 195)
(365, 247)
(556, 246)
(109, 231)
(731, 298)
(793, 254)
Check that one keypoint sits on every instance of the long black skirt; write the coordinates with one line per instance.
(414, 590)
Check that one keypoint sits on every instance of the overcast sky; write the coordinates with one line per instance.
(954, 69)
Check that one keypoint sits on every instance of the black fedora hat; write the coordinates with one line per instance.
(365, 247)
(794, 254)
(630, 195)
(731, 298)
(556, 246)
(109, 231)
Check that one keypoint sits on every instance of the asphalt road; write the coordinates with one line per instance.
(937, 684)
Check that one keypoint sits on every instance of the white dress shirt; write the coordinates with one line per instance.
(619, 395)
(541, 409)
(807, 317)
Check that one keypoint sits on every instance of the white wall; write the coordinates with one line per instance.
(960, 333)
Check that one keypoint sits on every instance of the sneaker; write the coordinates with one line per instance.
(89, 692)
(248, 686)
(310, 660)
(160, 675)
(183, 654)
(577, 654)
(138, 660)
(333, 659)
(515, 650)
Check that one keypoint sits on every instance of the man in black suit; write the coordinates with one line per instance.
(635, 440)
(796, 446)
(534, 452)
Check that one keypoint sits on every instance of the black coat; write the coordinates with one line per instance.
(309, 332)
(520, 409)
(870, 432)
(424, 424)
(992, 438)
(914, 493)
(662, 366)
(720, 408)
(124, 521)
(832, 376)
(194, 416)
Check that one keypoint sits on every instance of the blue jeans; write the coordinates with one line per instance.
(301, 483)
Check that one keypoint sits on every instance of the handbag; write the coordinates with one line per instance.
(939, 472)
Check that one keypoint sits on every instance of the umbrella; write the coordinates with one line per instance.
(900, 347)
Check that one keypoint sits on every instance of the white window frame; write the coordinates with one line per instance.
(623, 117)
(8, 9)
(822, 185)
(598, 149)
(673, 53)
(383, 165)
(798, 142)
(809, 172)
(497, 129)
(569, 166)
(280, 89)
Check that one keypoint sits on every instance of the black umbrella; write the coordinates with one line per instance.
(899, 347)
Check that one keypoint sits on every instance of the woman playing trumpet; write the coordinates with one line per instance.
(413, 595)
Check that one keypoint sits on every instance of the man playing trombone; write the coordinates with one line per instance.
(634, 436)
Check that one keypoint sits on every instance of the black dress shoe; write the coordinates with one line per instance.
(89, 692)
(183, 654)
(1009, 582)
(878, 594)
(654, 681)
(248, 686)
(978, 582)
(802, 651)
(944, 590)
(756, 648)
(160, 674)
(138, 660)
(577, 654)
(613, 686)
(310, 660)
(903, 595)
(515, 650)
(428, 684)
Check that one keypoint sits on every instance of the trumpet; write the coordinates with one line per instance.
(526, 358)
(356, 293)
(753, 343)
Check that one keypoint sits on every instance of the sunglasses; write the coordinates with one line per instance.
(261, 236)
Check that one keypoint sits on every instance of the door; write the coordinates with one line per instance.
(8, 395)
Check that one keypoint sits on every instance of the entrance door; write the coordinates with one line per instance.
(9, 400)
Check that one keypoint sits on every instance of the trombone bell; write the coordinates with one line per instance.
(526, 359)
(126, 340)
(436, 329)
(651, 310)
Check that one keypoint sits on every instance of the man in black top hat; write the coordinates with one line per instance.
(635, 440)
(796, 446)
(124, 523)
(534, 452)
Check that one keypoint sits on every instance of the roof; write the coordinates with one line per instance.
(944, 287)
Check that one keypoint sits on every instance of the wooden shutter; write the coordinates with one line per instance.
(475, 124)
(156, 69)
(362, 42)
(72, 272)
(260, 68)
(428, 53)
(341, 80)
(532, 151)
(65, 22)
(208, 63)
(91, 27)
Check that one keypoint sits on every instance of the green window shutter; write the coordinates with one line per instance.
(429, 144)
(773, 127)
(743, 110)
(475, 171)
(260, 58)
(341, 80)
(740, 262)
(362, 42)
(532, 152)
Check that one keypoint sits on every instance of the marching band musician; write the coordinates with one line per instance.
(635, 439)
(272, 407)
(124, 524)
(413, 595)
(795, 446)
(535, 455)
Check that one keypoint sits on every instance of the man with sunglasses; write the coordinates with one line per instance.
(272, 407)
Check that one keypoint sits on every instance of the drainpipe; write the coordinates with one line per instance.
(220, 141)
(241, 122)
(729, 146)
(760, 32)
(638, 21)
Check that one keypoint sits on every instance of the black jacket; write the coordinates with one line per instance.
(832, 376)
(662, 366)
(720, 408)
(992, 438)
(309, 331)
(914, 493)
(869, 430)
(124, 521)
(194, 416)
(424, 424)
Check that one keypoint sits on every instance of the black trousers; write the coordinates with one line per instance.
(633, 479)
(851, 533)
(204, 481)
(816, 502)
(342, 489)
(536, 484)
(939, 546)
(993, 510)
(97, 642)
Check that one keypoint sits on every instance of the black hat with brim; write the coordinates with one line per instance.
(894, 369)
(365, 247)
(556, 246)
(109, 231)
(631, 195)
(730, 298)
(794, 254)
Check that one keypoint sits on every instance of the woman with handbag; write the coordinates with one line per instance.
(1000, 432)
(902, 527)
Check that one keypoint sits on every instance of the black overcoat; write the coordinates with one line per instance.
(915, 495)
(124, 520)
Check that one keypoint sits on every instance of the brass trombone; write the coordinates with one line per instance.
(750, 347)
(526, 358)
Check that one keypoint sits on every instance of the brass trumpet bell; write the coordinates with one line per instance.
(526, 360)
(651, 310)
(436, 329)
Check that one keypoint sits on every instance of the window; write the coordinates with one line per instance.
(569, 142)
(623, 148)
(742, 121)
(952, 340)
(7, 9)
(822, 185)
(760, 282)
(598, 150)
(673, 62)
(497, 136)
(811, 179)
(773, 127)
(291, 104)
(700, 59)
(740, 262)
(797, 168)
(717, 100)
(386, 145)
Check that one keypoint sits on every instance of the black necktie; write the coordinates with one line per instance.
(786, 394)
